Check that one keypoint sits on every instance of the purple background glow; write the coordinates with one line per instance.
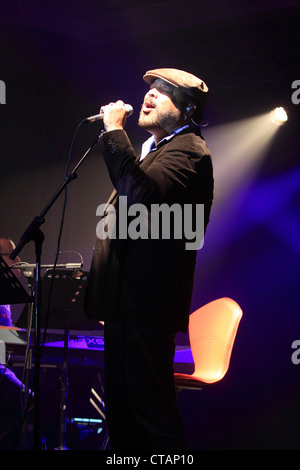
(62, 60)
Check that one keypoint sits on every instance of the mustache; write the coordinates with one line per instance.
(149, 101)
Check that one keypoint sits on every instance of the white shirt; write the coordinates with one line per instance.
(149, 145)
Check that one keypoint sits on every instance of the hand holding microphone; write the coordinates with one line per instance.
(114, 115)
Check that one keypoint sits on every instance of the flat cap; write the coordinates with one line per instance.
(190, 84)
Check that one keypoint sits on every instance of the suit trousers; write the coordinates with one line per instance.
(140, 399)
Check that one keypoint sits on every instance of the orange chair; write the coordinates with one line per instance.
(212, 331)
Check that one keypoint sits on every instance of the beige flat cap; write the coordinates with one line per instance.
(189, 83)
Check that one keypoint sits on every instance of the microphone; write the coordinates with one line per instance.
(98, 117)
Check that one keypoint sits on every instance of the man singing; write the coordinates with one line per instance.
(142, 287)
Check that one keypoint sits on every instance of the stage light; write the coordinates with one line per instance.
(238, 149)
(279, 116)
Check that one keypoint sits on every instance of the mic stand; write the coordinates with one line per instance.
(33, 233)
(27, 368)
(64, 380)
(28, 271)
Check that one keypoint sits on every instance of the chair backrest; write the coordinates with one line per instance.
(212, 331)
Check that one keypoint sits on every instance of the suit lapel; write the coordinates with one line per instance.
(145, 163)
(149, 159)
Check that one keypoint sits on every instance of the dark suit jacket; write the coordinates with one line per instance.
(149, 281)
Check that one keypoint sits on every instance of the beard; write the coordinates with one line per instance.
(158, 120)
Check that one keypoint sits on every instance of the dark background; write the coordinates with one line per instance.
(61, 60)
